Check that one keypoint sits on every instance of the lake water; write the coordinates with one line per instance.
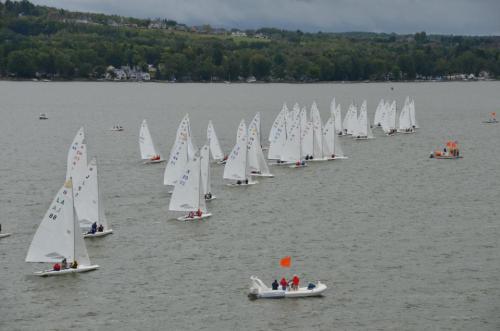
(403, 242)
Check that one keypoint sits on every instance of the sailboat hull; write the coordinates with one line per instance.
(212, 198)
(262, 175)
(84, 268)
(297, 166)
(242, 184)
(154, 161)
(98, 234)
(194, 218)
(4, 235)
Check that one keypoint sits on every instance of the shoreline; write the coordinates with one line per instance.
(239, 82)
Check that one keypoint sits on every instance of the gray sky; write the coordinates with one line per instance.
(470, 17)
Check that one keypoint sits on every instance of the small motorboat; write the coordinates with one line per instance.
(449, 152)
(259, 290)
(4, 235)
(43, 116)
(492, 119)
(117, 128)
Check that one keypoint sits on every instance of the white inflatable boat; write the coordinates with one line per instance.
(259, 290)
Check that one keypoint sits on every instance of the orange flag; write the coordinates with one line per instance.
(286, 262)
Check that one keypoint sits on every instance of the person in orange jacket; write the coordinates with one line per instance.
(295, 282)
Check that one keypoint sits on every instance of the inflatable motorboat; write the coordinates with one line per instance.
(98, 233)
(259, 290)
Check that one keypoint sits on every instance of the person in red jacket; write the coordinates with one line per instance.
(295, 282)
(283, 283)
(57, 267)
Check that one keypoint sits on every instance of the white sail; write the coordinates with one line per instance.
(336, 111)
(146, 145)
(256, 123)
(351, 119)
(329, 135)
(236, 164)
(307, 140)
(404, 117)
(277, 142)
(363, 129)
(88, 202)
(277, 122)
(59, 235)
(213, 142)
(379, 114)
(256, 161)
(412, 114)
(187, 192)
(77, 157)
(178, 155)
(292, 148)
(317, 132)
(205, 170)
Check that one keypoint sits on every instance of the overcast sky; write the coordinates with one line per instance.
(470, 17)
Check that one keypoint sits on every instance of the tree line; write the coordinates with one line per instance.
(57, 43)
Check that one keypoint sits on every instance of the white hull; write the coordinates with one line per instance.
(281, 164)
(3, 235)
(81, 268)
(490, 122)
(262, 175)
(405, 132)
(212, 198)
(318, 160)
(223, 162)
(194, 218)
(98, 234)
(259, 290)
(115, 129)
(243, 184)
(446, 157)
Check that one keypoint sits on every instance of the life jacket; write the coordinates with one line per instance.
(57, 267)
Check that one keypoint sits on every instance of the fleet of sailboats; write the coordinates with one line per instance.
(294, 138)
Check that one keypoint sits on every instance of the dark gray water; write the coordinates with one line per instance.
(403, 242)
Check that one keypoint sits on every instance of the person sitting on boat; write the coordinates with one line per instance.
(333, 156)
(93, 228)
(275, 285)
(100, 228)
(155, 157)
(74, 265)
(198, 212)
(191, 214)
(64, 264)
(56, 267)
(238, 182)
(295, 282)
(246, 181)
(283, 283)
(208, 196)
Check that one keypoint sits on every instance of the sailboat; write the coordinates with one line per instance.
(335, 110)
(350, 120)
(181, 152)
(256, 161)
(405, 124)
(363, 131)
(331, 142)
(317, 140)
(379, 114)
(389, 119)
(88, 204)
(214, 144)
(59, 237)
(206, 178)
(292, 150)
(413, 121)
(147, 147)
(236, 168)
(278, 136)
(77, 158)
(188, 192)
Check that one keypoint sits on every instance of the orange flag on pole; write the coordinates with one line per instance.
(286, 262)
